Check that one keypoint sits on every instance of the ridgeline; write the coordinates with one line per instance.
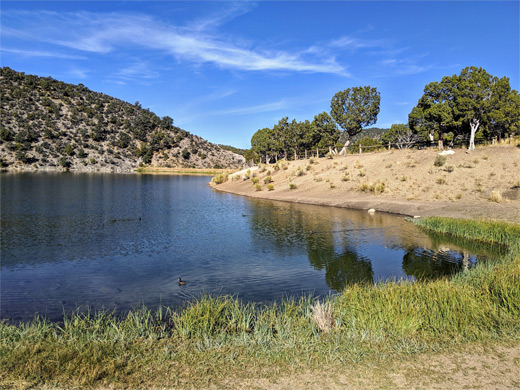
(47, 124)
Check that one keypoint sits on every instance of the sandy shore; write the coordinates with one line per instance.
(481, 184)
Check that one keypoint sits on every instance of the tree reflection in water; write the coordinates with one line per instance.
(334, 240)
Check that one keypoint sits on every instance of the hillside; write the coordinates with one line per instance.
(481, 184)
(50, 125)
(372, 132)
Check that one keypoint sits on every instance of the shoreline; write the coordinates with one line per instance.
(483, 184)
(486, 210)
(140, 171)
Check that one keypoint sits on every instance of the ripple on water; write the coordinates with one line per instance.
(77, 241)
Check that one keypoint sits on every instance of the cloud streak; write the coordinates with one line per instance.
(41, 53)
(105, 33)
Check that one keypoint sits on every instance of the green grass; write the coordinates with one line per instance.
(216, 339)
(493, 232)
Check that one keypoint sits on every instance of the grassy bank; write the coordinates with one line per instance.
(213, 341)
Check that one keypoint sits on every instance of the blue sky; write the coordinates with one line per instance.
(223, 70)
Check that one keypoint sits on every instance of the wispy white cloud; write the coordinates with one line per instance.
(105, 33)
(42, 53)
(78, 73)
(256, 109)
(277, 105)
(192, 109)
(350, 42)
(404, 66)
(137, 72)
(217, 19)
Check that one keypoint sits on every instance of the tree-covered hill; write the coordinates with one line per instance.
(49, 124)
(372, 132)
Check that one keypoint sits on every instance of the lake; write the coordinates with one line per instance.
(116, 241)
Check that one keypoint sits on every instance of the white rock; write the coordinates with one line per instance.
(372, 211)
(446, 152)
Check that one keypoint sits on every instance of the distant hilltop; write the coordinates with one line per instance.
(46, 124)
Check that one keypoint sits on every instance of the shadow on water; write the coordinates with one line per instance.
(447, 256)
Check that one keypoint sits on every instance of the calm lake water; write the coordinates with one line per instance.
(117, 241)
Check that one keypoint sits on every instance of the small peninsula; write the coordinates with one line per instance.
(481, 184)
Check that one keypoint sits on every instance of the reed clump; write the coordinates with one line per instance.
(493, 232)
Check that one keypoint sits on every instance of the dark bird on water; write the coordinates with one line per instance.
(181, 282)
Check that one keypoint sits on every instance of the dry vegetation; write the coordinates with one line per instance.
(483, 183)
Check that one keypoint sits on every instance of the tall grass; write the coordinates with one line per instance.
(214, 338)
(493, 232)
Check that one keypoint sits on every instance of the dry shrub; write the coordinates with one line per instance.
(322, 316)
(220, 178)
(495, 196)
(376, 188)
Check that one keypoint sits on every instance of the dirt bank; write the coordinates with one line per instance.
(481, 184)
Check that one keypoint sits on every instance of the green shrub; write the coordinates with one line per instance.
(439, 160)
(292, 186)
(267, 179)
(64, 162)
(185, 154)
(270, 187)
(69, 150)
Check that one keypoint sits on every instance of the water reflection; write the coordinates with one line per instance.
(116, 241)
(349, 244)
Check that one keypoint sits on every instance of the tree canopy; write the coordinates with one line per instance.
(354, 108)
(287, 138)
(464, 104)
